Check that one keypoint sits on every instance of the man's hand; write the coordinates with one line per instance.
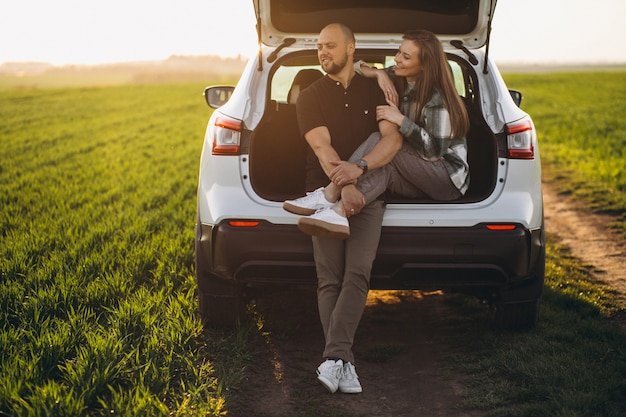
(352, 200)
(344, 173)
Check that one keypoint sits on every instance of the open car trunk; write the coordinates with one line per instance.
(375, 22)
(277, 150)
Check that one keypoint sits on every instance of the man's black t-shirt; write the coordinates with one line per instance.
(349, 114)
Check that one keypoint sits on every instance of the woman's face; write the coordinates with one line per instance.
(407, 60)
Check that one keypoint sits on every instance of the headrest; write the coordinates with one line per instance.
(302, 80)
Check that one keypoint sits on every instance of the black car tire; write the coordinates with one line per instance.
(221, 311)
(518, 309)
(516, 315)
(221, 303)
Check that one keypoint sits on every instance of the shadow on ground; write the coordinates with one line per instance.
(400, 344)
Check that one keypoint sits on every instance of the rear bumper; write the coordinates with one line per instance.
(458, 259)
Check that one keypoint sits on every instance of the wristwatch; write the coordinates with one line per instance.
(362, 163)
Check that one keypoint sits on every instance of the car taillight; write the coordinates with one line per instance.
(520, 140)
(501, 227)
(244, 223)
(226, 136)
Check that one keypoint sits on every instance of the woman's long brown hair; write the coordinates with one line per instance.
(436, 74)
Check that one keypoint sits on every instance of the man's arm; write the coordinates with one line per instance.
(388, 146)
(344, 172)
(319, 140)
(390, 143)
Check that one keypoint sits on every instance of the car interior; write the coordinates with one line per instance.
(277, 149)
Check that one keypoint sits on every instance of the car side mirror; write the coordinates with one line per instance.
(516, 96)
(216, 96)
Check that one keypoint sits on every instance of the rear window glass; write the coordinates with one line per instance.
(283, 79)
(284, 76)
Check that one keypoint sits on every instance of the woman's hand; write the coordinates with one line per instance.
(390, 113)
(385, 84)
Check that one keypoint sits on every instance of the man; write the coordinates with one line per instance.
(336, 114)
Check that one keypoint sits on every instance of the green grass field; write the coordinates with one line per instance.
(97, 297)
(580, 121)
(97, 190)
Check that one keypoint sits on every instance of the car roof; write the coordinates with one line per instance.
(375, 23)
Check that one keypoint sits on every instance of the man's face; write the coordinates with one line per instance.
(332, 50)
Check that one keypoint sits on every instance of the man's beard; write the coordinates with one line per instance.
(335, 67)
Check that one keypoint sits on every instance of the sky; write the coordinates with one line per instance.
(77, 32)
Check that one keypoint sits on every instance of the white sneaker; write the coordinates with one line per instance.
(349, 381)
(325, 223)
(329, 373)
(309, 204)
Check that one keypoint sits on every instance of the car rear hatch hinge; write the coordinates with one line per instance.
(491, 12)
(286, 42)
(258, 33)
(459, 45)
(272, 57)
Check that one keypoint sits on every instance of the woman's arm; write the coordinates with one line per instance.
(384, 82)
(432, 136)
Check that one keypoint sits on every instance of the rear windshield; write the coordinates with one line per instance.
(284, 76)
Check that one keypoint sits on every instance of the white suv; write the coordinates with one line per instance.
(489, 243)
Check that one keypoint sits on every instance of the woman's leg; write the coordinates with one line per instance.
(409, 175)
(414, 176)
(366, 147)
(373, 184)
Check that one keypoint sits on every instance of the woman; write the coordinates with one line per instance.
(433, 159)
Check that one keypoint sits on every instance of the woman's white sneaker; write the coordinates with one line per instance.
(309, 204)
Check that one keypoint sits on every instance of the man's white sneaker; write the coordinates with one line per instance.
(329, 373)
(309, 204)
(325, 223)
(349, 381)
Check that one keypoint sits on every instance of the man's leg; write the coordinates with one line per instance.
(329, 263)
(360, 251)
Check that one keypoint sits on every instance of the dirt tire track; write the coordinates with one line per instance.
(589, 237)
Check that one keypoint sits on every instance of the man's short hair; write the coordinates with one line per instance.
(347, 32)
